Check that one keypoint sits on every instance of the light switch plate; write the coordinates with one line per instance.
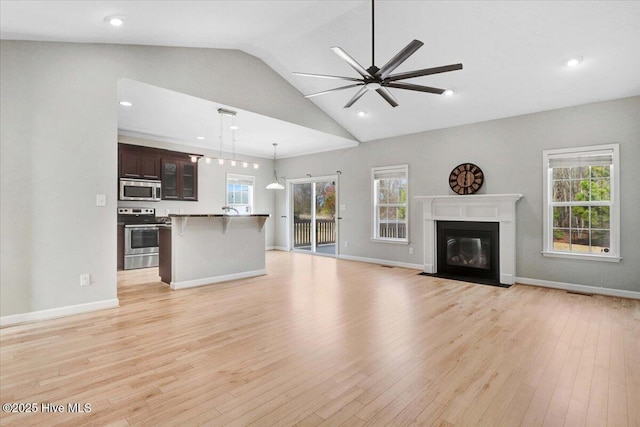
(101, 200)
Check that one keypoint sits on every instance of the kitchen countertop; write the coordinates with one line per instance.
(217, 215)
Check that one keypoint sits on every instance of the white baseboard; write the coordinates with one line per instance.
(276, 248)
(578, 288)
(383, 262)
(53, 313)
(216, 279)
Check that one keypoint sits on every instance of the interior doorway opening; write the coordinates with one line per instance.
(313, 223)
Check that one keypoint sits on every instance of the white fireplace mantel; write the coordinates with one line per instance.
(499, 208)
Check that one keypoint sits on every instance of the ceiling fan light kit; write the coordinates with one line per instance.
(380, 79)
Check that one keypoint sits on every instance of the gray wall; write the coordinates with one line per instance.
(58, 150)
(509, 151)
(59, 128)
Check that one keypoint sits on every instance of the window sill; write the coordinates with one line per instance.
(392, 241)
(585, 257)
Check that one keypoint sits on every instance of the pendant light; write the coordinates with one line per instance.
(275, 185)
(223, 112)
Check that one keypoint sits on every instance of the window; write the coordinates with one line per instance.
(390, 195)
(581, 203)
(240, 192)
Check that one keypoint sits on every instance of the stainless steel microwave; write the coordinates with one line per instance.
(140, 189)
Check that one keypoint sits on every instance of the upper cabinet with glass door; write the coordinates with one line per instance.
(179, 179)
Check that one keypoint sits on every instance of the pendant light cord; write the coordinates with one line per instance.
(275, 169)
(220, 137)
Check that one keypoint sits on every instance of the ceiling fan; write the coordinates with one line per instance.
(379, 79)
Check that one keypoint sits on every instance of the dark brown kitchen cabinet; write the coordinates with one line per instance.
(179, 179)
(139, 162)
(179, 175)
(120, 247)
(164, 254)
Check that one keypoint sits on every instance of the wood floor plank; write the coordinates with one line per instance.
(321, 341)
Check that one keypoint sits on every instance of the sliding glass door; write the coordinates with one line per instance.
(313, 225)
(303, 214)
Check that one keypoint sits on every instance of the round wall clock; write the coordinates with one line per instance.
(466, 178)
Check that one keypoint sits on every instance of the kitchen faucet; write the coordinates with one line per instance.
(229, 208)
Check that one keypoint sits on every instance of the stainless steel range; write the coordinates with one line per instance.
(140, 237)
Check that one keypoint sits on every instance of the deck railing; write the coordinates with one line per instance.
(325, 232)
(393, 230)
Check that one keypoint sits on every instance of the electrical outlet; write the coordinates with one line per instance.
(85, 279)
(166, 212)
(410, 251)
(346, 244)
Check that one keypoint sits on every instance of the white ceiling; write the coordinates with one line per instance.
(512, 51)
(165, 115)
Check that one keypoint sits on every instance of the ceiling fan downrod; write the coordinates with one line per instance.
(373, 36)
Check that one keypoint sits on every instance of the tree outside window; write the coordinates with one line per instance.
(581, 214)
(390, 196)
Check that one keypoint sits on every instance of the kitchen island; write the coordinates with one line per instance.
(202, 249)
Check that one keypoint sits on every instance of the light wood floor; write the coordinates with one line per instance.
(320, 341)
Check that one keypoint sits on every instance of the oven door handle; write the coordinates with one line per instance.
(141, 226)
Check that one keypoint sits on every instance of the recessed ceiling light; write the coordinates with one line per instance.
(234, 127)
(115, 20)
(362, 114)
(199, 137)
(126, 103)
(573, 61)
(449, 92)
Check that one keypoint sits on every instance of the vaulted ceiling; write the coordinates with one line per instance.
(513, 52)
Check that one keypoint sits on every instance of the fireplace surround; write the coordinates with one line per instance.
(482, 208)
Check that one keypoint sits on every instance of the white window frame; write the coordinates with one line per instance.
(614, 203)
(374, 204)
(240, 206)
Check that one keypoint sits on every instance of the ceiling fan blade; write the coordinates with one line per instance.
(354, 64)
(400, 57)
(332, 90)
(387, 96)
(357, 96)
(410, 86)
(324, 76)
(424, 72)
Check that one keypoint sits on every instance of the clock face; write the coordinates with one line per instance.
(466, 178)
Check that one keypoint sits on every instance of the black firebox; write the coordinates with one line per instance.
(469, 251)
